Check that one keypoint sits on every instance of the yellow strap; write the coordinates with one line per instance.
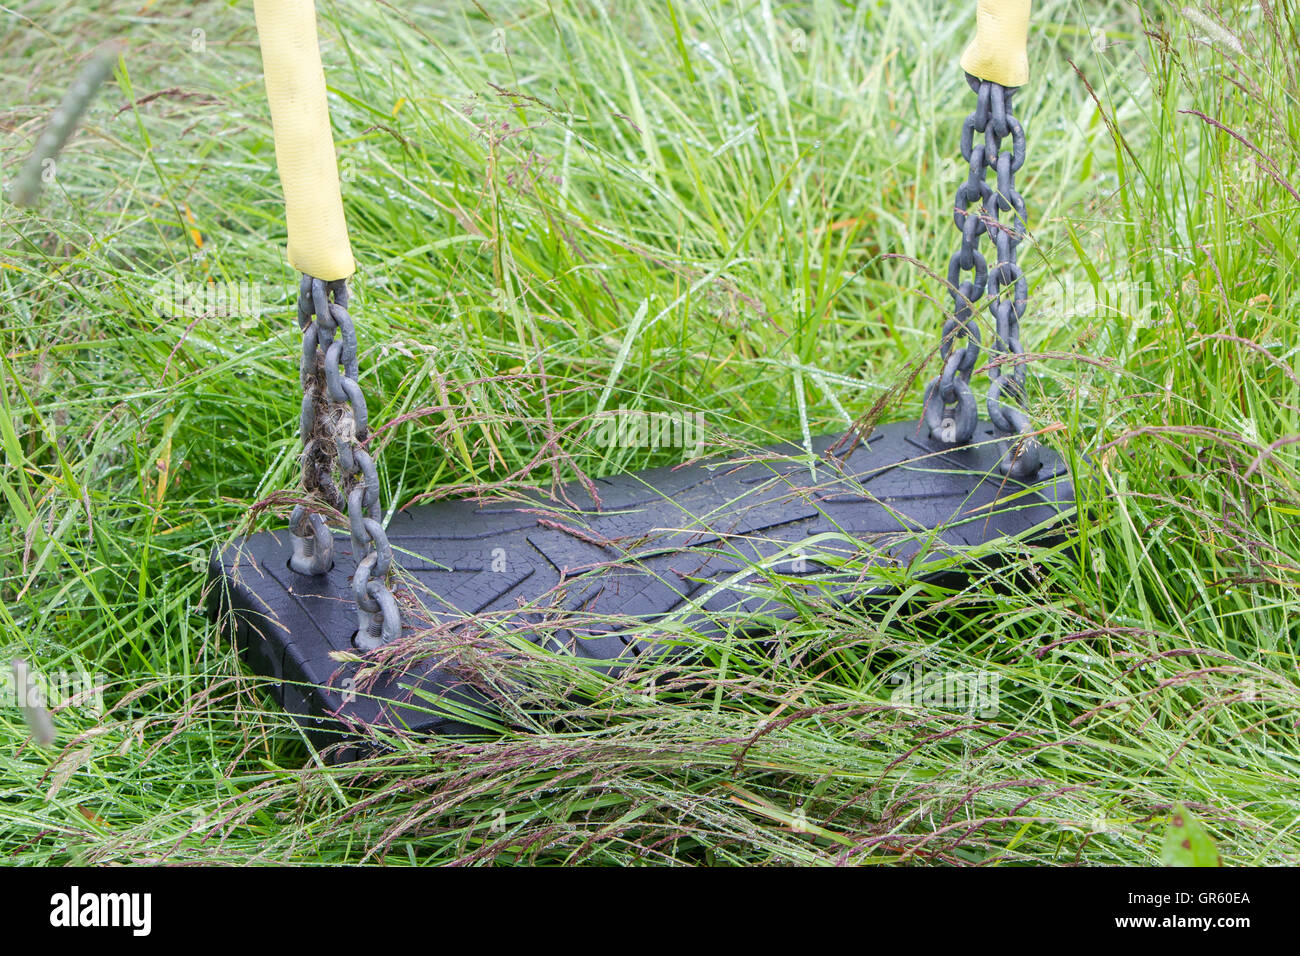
(998, 53)
(304, 146)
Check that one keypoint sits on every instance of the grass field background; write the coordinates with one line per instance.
(734, 209)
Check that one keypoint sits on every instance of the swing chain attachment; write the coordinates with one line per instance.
(334, 426)
(950, 410)
(1021, 457)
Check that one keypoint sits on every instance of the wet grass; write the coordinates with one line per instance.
(688, 207)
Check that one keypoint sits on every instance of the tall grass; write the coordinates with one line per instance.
(559, 208)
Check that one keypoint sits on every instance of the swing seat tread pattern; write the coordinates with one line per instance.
(712, 543)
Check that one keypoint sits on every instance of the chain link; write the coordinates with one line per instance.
(334, 425)
(950, 409)
(1008, 286)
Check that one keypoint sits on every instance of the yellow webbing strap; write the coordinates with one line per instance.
(304, 147)
(998, 53)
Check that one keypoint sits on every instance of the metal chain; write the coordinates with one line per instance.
(334, 426)
(1021, 458)
(950, 410)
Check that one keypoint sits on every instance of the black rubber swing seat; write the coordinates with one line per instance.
(713, 546)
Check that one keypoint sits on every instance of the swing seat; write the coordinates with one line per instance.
(714, 547)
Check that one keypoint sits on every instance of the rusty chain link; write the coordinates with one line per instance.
(949, 408)
(334, 425)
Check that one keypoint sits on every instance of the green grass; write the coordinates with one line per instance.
(522, 182)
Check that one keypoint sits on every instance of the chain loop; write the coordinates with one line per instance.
(334, 426)
(949, 405)
(313, 548)
(1008, 288)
